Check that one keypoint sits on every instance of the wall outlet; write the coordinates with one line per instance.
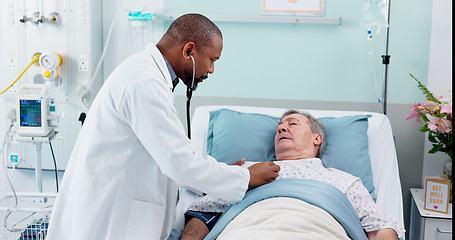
(83, 66)
(12, 63)
(38, 200)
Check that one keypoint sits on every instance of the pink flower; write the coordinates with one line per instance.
(431, 106)
(441, 125)
(436, 115)
(446, 109)
(433, 123)
(414, 113)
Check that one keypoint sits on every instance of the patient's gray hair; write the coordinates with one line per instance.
(315, 125)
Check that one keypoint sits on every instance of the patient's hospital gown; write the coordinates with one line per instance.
(370, 216)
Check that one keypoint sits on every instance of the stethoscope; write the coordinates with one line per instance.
(189, 94)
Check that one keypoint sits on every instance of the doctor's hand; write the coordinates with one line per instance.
(263, 173)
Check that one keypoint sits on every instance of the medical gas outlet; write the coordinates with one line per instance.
(54, 19)
(50, 63)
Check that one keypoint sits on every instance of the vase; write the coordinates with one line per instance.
(447, 174)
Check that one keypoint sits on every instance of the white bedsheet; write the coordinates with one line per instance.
(283, 218)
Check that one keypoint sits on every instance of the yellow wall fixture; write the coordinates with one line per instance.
(50, 63)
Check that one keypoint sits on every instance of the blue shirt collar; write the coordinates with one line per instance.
(175, 79)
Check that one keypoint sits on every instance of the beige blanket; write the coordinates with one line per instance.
(283, 218)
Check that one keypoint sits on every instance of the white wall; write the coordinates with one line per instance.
(439, 73)
(119, 47)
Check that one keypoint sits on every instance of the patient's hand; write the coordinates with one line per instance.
(383, 234)
(195, 229)
(262, 173)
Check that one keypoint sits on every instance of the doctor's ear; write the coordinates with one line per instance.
(188, 49)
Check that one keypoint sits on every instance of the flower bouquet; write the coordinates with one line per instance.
(436, 117)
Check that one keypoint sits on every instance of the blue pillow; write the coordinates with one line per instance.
(234, 135)
(347, 147)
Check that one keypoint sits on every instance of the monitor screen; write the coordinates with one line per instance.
(30, 113)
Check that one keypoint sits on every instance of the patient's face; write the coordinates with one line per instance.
(294, 138)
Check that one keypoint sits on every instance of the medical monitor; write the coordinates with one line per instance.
(32, 112)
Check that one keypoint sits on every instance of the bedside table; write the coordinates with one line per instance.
(428, 225)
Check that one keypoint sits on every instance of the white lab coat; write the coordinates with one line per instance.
(130, 157)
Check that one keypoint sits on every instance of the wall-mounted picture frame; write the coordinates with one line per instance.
(310, 8)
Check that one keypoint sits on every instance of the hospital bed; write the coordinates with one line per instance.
(358, 142)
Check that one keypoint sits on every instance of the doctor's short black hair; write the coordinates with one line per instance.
(193, 27)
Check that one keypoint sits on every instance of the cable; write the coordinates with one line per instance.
(189, 94)
(55, 166)
(108, 39)
(46, 210)
(8, 213)
(3, 160)
(14, 206)
(370, 51)
(188, 117)
(35, 59)
(375, 83)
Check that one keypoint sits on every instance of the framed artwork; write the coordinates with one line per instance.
(293, 7)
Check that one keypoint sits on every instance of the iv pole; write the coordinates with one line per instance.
(386, 60)
(37, 143)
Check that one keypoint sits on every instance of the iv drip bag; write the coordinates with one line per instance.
(375, 14)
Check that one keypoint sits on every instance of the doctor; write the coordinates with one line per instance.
(132, 154)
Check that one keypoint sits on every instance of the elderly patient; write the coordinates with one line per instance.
(299, 142)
